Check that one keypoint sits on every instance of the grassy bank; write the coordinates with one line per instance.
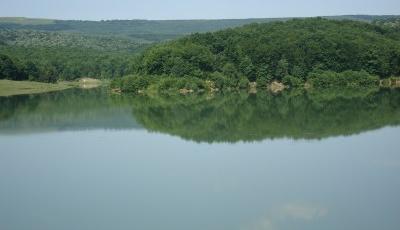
(10, 88)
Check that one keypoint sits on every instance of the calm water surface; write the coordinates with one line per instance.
(86, 160)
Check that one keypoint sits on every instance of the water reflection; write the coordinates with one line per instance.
(206, 118)
(66, 110)
(61, 177)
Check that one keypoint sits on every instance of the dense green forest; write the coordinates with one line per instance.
(283, 49)
(32, 38)
(53, 64)
(49, 56)
(147, 30)
(293, 52)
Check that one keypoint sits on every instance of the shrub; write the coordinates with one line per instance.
(243, 83)
(264, 80)
(292, 81)
(134, 83)
(174, 84)
(116, 83)
(350, 79)
(219, 79)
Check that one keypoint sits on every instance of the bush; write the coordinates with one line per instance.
(133, 83)
(293, 82)
(243, 83)
(174, 84)
(264, 80)
(116, 83)
(350, 79)
(219, 79)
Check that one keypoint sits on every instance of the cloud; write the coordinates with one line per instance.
(305, 212)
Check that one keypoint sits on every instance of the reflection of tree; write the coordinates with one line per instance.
(65, 110)
(243, 117)
(221, 118)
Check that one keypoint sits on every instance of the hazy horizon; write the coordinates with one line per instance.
(205, 19)
(204, 10)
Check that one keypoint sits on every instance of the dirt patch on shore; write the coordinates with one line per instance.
(89, 83)
(276, 87)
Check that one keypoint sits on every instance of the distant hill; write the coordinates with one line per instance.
(148, 30)
(25, 21)
(33, 38)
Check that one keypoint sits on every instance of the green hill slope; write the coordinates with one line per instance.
(275, 50)
(148, 30)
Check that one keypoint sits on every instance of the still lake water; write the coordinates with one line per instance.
(86, 160)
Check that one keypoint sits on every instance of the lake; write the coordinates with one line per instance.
(84, 159)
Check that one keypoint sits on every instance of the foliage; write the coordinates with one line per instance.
(50, 56)
(51, 64)
(271, 51)
(133, 83)
(31, 38)
(170, 84)
(291, 81)
(258, 52)
(8, 70)
(348, 79)
(145, 31)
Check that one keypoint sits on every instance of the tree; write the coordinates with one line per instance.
(8, 70)
(282, 69)
(248, 69)
(230, 71)
(31, 71)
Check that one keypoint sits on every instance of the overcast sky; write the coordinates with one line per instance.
(190, 9)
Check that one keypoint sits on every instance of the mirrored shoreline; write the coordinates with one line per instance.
(229, 117)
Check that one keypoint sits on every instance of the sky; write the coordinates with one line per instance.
(190, 9)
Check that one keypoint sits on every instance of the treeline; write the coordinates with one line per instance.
(321, 80)
(293, 52)
(393, 22)
(52, 64)
(48, 57)
(274, 50)
(149, 30)
(31, 38)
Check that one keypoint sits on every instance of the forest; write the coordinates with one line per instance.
(292, 51)
(319, 51)
(148, 30)
(49, 56)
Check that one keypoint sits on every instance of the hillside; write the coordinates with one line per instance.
(51, 56)
(49, 50)
(292, 52)
(32, 38)
(148, 30)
